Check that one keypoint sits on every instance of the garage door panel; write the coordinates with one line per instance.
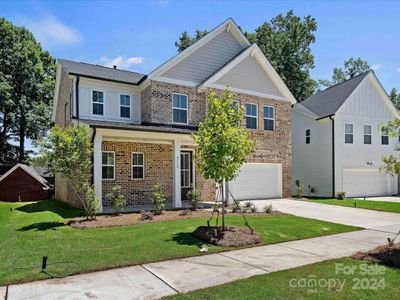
(257, 181)
(365, 182)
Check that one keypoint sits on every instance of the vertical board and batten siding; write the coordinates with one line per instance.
(312, 163)
(249, 75)
(206, 60)
(364, 107)
(112, 94)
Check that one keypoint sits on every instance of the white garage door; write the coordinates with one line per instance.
(365, 182)
(257, 181)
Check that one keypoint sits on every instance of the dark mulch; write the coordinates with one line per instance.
(230, 237)
(388, 255)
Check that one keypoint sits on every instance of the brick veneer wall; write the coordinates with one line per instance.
(65, 104)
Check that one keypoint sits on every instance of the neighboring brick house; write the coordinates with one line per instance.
(141, 125)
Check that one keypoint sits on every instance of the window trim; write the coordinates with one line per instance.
(92, 102)
(114, 166)
(308, 136)
(382, 135)
(191, 176)
(344, 133)
(130, 106)
(370, 125)
(252, 116)
(266, 118)
(132, 165)
(187, 108)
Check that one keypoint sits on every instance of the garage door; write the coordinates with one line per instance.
(365, 182)
(257, 181)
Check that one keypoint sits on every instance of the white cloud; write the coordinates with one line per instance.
(376, 67)
(51, 31)
(122, 62)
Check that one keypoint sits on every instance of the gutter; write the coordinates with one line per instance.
(333, 156)
(77, 97)
(329, 116)
(111, 80)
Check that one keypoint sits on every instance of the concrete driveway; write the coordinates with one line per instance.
(382, 199)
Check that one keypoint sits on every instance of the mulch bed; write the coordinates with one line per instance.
(135, 218)
(388, 255)
(230, 237)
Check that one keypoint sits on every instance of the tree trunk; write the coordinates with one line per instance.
(223, 205)
(21, 149)
(3, 133)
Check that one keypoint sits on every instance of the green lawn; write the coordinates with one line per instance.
(289, 284)
(367, 204)
(32, 230)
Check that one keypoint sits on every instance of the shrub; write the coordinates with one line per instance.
(341, 195)
(116, 198)
(248, 204)
(299, 191)
(90, 202)
(267, 208)
(144, 215)
(158, 199)
(249, 207)
(194, 197)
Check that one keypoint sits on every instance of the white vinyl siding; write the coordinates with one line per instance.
(137, 165)
(251, 116)
(180, 108)
(108, 165)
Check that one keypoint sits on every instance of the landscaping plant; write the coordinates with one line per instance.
(299, 191)
(116, 198)
(341, 195)
(158, 199)
(194, 197)
(267, 208)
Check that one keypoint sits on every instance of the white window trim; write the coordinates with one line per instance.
(364, 134)
(273, 119)
(187, 108)
(308, 136)
(252, 116)
(130, 106)
(382, 135)
(132, 165)
(92, 102)
(193, 174)
(344, 133)
(107, 179)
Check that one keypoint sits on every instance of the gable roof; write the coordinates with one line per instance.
(253, 51)
(101, 72)
(28, 170)
(327, 102)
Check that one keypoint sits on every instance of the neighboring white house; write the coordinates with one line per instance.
(338, 141)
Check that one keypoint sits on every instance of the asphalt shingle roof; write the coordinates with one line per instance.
(101, 72)
(327, 102)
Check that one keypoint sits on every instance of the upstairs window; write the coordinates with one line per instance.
(385, 136)
(180, 108)
(137, 165)
(125, 106)
(269, 118)
(308, 136)
(367, 134)
(348, 133)
(98, 103)
(108, 165)
(251, 116)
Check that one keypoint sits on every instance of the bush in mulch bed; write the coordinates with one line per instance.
(388, 255)
(230, 237)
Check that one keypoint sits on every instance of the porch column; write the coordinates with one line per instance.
(176, 164)
(97, 172)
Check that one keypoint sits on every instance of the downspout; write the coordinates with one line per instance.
(333, 157)
(77, 97)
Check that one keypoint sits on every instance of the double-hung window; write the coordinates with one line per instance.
(384, 136)
(269, 118)
(108, 165)
(308, 136)
(98, 103)
(125, 106)
(137, 165)
(179, 108)
(348, 133)
(251, 116)
(367, 134)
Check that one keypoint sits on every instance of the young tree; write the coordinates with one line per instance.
(391, 163)
(223, 144)
(68, 151)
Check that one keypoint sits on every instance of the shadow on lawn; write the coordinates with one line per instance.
(42, 226)
(62, 209)
(186, 238)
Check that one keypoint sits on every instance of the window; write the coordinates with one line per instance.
(185, 170)
(98, 103)
(180, 108)
(108, 165)
(348, 133)
(137, 165)
(269, 118)
(251, 116)
(125, 106)
(385, 136)
(367, 134)
(308, 136)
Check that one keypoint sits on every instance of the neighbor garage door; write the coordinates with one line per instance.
(365, 182)
(257, 181)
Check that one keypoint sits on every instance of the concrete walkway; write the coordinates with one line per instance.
(155, 280)
(382, 199)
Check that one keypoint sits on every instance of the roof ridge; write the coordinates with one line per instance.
(347, 80)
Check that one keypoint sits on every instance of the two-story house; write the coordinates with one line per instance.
(339, 140)
(141, 125)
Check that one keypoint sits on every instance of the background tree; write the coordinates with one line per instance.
(27, 75)
(395, 98)
(223, 144)
(352, 68)
(185, 40)
(391, 163)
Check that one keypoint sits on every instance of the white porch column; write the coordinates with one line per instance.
(177, 192)
(97, 173)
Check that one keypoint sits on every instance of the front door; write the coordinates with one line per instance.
(186, 173)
